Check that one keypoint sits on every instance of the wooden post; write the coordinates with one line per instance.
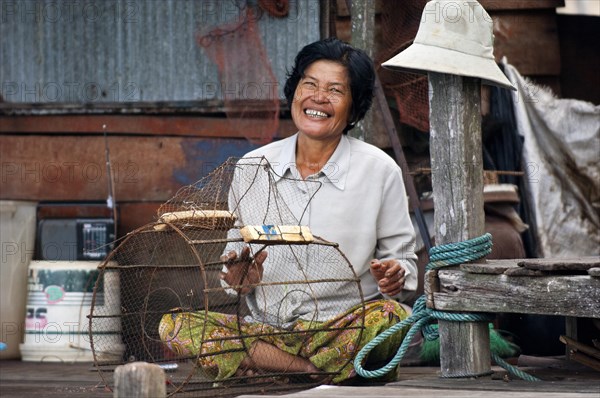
(140, 380)
(457, 177)
(362, 15)
(571, 332)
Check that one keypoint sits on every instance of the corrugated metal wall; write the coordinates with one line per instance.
(130, 50)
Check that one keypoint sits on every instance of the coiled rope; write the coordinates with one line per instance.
(440, 256)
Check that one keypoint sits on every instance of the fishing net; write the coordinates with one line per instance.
(248, 84)
(171, 267)
(399, 27)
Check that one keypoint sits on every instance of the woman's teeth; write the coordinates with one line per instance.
(315, 113)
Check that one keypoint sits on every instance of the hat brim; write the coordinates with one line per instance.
(422, 58)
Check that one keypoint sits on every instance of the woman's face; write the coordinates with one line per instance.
(322, 100)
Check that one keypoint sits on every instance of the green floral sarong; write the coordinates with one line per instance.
(221, 342)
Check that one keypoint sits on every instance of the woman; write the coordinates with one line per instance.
(360, 204)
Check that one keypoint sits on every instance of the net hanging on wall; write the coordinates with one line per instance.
(248, 84)
(399, 25)
(171, 299)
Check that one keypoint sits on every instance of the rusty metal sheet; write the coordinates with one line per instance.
(98, 51)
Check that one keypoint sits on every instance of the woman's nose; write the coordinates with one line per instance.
(320, 95)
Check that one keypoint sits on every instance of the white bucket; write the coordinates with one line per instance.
(17, 232)
(58, 304)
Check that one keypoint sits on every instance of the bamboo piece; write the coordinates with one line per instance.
(276, 234)
(224, 218)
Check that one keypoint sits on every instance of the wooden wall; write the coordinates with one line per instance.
(61, 159)
(525, 32)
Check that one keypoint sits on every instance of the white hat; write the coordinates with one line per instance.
(455, 37)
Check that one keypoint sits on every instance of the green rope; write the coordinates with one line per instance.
(440, 256)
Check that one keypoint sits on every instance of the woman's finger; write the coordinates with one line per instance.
(260, 257)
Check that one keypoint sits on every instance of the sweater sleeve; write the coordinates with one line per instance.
(395, 232)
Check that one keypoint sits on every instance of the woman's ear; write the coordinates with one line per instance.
(351, 119)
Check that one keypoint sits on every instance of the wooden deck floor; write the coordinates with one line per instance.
(561, 380)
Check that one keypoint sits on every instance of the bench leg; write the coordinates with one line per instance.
(571, 332)
(464, 349)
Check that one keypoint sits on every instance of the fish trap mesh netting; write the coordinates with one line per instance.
(172, 266)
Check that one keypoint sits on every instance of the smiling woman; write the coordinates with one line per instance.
(321, 111)
(345, 191)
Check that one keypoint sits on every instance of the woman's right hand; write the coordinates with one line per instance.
(243, 270)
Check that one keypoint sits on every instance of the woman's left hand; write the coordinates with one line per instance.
(390, 276)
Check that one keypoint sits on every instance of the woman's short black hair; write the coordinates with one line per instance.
(357, 62)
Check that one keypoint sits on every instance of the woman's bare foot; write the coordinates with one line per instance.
(266, 357)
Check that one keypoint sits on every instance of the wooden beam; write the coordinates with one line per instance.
(456, 159)
(193, 126)
(200, 107)
(457, 178)
(563, 295)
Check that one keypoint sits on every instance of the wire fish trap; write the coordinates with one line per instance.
(175, 311)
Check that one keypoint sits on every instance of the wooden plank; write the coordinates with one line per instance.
(518, 271)
(71, 210)
(194, 126)
(133, 215)
(553, 386)
(585, 360)
(77, 380)
(561, 264)
(581, 347)
(571, 295)
(199, 107)
(529, 41)
(490, 267)
(595, 271)
(497, 5)
(73, 168)
(579, 57)
(571, 331)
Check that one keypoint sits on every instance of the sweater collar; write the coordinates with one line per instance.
(335, 170)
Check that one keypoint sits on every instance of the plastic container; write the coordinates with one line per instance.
(58, 305)
(17, 236)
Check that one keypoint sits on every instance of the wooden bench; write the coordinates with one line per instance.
(568, 287)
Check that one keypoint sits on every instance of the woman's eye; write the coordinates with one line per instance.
(336, 91)
(309, 84)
